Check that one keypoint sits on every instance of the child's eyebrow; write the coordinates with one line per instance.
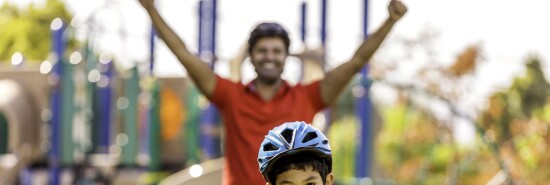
(286, 182)
(310, 178)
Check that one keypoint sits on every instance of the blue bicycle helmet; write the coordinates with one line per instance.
(291, 138)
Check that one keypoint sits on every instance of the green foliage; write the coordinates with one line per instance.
(533, 89)
(27, 30)
(519, 120)
(344, 146)
(411, 147)
(408, 149)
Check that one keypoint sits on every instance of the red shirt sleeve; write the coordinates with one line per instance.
(313, 92)
(223, 92)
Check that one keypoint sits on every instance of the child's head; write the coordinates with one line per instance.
(296, 153)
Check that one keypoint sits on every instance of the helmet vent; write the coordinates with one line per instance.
(309, 136)
(287, 135)
(270, 147)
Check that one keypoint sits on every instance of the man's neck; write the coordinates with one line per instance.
(267, 91)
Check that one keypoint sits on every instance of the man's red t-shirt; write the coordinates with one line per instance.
(248, 118)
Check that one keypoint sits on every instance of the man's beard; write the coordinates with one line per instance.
(269, 81)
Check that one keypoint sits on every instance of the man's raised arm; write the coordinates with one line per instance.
(336, 80)
(198, 70)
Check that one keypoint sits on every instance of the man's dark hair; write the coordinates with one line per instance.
(268, 30)
(299, 161)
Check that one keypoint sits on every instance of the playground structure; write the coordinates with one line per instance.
(79, 112)
(20, 106)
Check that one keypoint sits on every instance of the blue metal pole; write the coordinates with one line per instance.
(365, 18)
(213, 13)
(324, 33)
(324, 22)
(56, 98)
(364, 112)
(207, 30)
(200, 43)
(303, 22)
(303, 32)
(152, 50)
(207, 51)
(105, 94)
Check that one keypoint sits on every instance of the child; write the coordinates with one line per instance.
(296, 153)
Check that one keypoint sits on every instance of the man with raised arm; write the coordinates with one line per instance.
(250, 110)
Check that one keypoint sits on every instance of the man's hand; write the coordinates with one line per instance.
(147, 4)
(396, 10)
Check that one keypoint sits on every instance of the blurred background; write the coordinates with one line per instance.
(457, 94)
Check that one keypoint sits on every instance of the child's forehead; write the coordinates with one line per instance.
(298, 176)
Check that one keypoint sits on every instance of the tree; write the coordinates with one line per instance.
(27, 30)
(517, 119)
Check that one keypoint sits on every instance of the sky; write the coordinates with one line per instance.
(508, 32)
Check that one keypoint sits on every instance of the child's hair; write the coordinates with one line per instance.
(299, 161)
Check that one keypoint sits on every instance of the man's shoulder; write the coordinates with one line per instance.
(226, 80)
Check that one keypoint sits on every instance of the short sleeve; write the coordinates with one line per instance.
(313, 93)
(223, 92)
